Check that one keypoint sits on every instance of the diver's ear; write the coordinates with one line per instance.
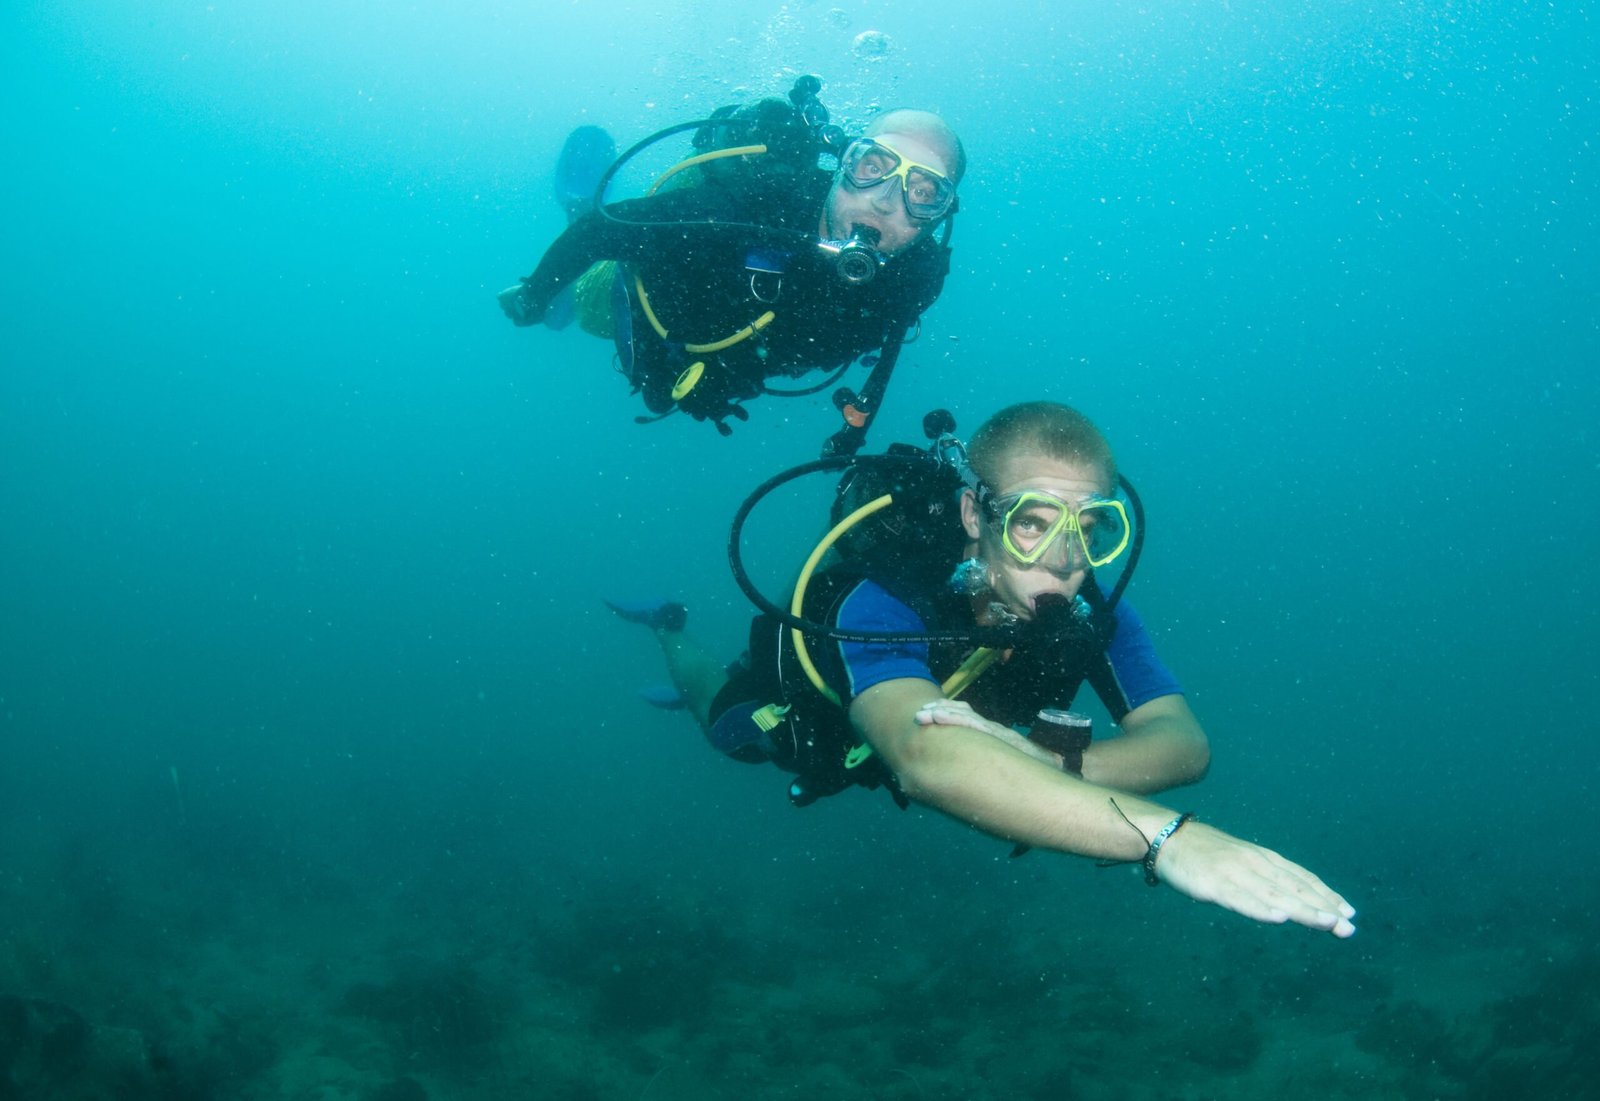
(971, 515)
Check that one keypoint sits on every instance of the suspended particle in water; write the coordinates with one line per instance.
(839, 17)
(871, 46)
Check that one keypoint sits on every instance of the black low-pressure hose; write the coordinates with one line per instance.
(1138, 543)
(816, 388)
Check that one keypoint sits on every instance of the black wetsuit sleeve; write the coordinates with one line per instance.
(633, 234)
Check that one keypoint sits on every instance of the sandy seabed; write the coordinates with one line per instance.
(147, 968)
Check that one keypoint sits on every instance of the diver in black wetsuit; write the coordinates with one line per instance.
(767, 266)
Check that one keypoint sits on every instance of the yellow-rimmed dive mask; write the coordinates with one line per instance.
(1089, 533)
(928, 193)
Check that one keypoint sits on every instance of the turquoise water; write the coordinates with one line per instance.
(323, 773)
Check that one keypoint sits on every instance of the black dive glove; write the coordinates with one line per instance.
(522, 306)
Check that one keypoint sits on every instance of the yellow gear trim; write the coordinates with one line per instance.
(727, 342)
(699, 349)
(688, 380)
(644, 299)
(714, 155)
(801, 651)
(974, 667)
(769, 717)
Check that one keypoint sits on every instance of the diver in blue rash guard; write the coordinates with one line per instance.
(1038, 515)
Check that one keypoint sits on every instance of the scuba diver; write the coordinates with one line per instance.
(749, 263)
(962, 599)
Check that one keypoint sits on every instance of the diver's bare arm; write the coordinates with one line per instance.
(976, 777)
(1161, 746)
(973, 774)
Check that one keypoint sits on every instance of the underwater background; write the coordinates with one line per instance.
(323, 773)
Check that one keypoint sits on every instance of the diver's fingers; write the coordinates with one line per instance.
(1309, 885)
(1211, 866)
(950, 713)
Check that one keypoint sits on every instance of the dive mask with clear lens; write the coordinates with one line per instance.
(928, 193)
(1038, 527)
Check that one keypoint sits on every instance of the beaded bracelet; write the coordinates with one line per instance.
(1156, 842)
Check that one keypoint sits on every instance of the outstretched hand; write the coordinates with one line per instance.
(1201, 861)
(1211, 866)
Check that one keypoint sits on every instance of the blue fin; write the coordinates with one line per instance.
(587, 154)
(562, 309)
(663, 696)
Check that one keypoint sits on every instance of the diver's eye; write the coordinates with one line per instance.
(924, 192)
(1031, 525)
(873, 165)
